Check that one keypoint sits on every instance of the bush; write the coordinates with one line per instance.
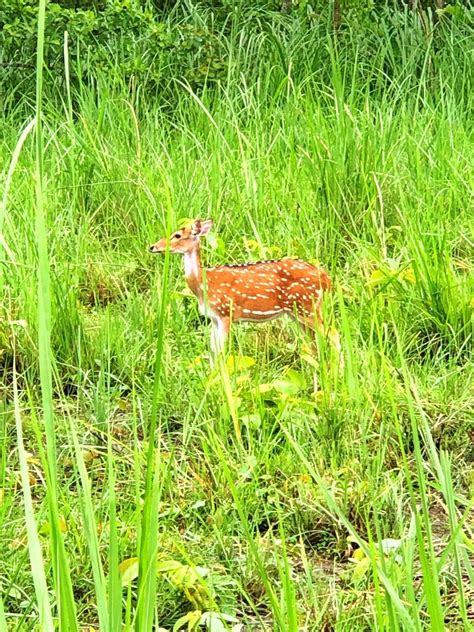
(132, 40)
(152, 43)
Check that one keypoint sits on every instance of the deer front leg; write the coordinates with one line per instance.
(220, 330)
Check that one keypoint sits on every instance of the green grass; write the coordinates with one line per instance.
(119, 443)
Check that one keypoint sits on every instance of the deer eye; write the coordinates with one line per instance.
(177, 236)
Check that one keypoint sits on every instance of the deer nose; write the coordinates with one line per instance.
(152, 248)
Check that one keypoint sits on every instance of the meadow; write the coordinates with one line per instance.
(141, 488)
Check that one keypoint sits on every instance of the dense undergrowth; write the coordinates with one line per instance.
(240, 495)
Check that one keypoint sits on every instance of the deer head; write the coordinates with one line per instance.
(184, 240)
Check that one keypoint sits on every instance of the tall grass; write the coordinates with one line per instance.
(239, 490)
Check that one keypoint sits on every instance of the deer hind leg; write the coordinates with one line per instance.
(310, 316)
(313, 324)
(310, 326)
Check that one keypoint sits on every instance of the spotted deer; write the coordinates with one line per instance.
(255, 292)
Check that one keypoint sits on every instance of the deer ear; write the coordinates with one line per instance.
(196, 228)
(206, 226)
(201, 227)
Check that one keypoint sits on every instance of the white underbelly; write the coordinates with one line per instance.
(262, 317)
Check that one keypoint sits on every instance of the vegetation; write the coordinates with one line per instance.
(142, 489)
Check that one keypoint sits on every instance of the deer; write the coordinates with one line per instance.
(257, 292)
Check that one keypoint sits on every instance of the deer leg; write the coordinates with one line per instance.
(312, 325)
(220, 330)
(215, 338)
(309, 326)
(310, 318)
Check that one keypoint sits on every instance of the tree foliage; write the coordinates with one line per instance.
(147, 43)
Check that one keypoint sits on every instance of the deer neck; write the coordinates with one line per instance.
(193, 271)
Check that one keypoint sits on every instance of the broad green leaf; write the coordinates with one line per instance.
(296, 378)
(389, 545)
(377, 277)
(358, 555)
(265, 388)
(239, 362)
(252, 420)
(286, 387)
(45, 528)
(452, 9)
(198, 504)
(167, 566)
(212, 241)
(248, 467)
(191, 620)
(128, 570)
(213, 622)
(361, 569)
